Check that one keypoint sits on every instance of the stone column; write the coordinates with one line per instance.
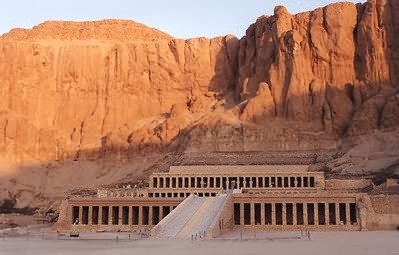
(262, 214)
(273, 214)
(100, 215)
(130, 215)
(227, 184)
(337, 218)
(252, 213)
(195, 182)
(242, 214)
(244, 183)
(327, 213)
(302, 182)
(238, 183)
(316, 213)
(120, 215)
(263, 182)
(140, 215)
(90, 219)
(305, 214)
(183, 182)
(110, 215)
(284, 212)
(160, 213)
(257, 182)
(348, 214)
(150, 223)
(80, 215)
(251, 183)
(294, 214)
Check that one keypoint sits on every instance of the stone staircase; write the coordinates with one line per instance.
(193, 217)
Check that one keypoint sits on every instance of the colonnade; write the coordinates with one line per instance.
(168, 182)
(119, 214)
(295, 213)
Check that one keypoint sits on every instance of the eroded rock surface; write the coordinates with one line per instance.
(119, 100)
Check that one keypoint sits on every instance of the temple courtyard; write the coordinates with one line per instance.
(371, 242)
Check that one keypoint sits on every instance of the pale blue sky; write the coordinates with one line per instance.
(179, 18)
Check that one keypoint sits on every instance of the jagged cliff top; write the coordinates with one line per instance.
(103, 30)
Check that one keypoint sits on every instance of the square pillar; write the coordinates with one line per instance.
(305, 213)
(150, 223)
(183, 182)
(90, 219)
(110, 215)
(327, 213)
(284, 212)
(195, 182)
(337, 218)
(140, 215)
(294, 214)
(100, 215)
(130, 215)
(80, 214)
(273, 214)
(262, 213)
(161, 212)
(316, 213)
(120, 215)
(241, 214)
(257, 182)
(348, 214)
(252, 213)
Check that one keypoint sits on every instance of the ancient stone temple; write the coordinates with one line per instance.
(215, 199)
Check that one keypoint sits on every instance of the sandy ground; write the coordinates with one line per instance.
(291, 243)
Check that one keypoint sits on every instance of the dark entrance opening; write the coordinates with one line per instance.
(174, 182)
(146, 214)
(155, 182)
(155, 215)
(257, 214)
(305, 182)
(292, 182)
(105, 215)
(299, 214)
(268, 212)
(353, 216)
(279, 182)
(321, 210)
(192, 185)
(331, 213)
(75, 215)
(115, 215)
(286, 184)
(125, 215)
(211, 182)
(247, 214)
(260, 182)
(342, 213)
(167, 182)
(312, 183)
(85, 215)
(135, 215)
(94, 217)
(236, 214)
(161, 183)
(165, 211)
(299, 181)
(290, 214)
(310, 214)
(267, 182)
(279, 214)
(180, 182)
(218, 182)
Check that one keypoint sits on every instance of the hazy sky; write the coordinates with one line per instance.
(179, 18)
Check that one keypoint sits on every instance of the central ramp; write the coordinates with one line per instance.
(193, 216)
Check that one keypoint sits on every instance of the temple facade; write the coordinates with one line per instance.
(217, 199)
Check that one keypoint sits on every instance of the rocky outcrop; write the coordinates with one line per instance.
(118, 92)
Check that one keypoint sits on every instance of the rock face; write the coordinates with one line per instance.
(114, 89)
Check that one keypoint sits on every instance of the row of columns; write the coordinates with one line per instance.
(239, 182)
(262, 220)
(136, 215)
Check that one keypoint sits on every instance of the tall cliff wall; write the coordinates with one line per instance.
(97, 90)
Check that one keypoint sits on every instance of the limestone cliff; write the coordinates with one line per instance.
(118, 100)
